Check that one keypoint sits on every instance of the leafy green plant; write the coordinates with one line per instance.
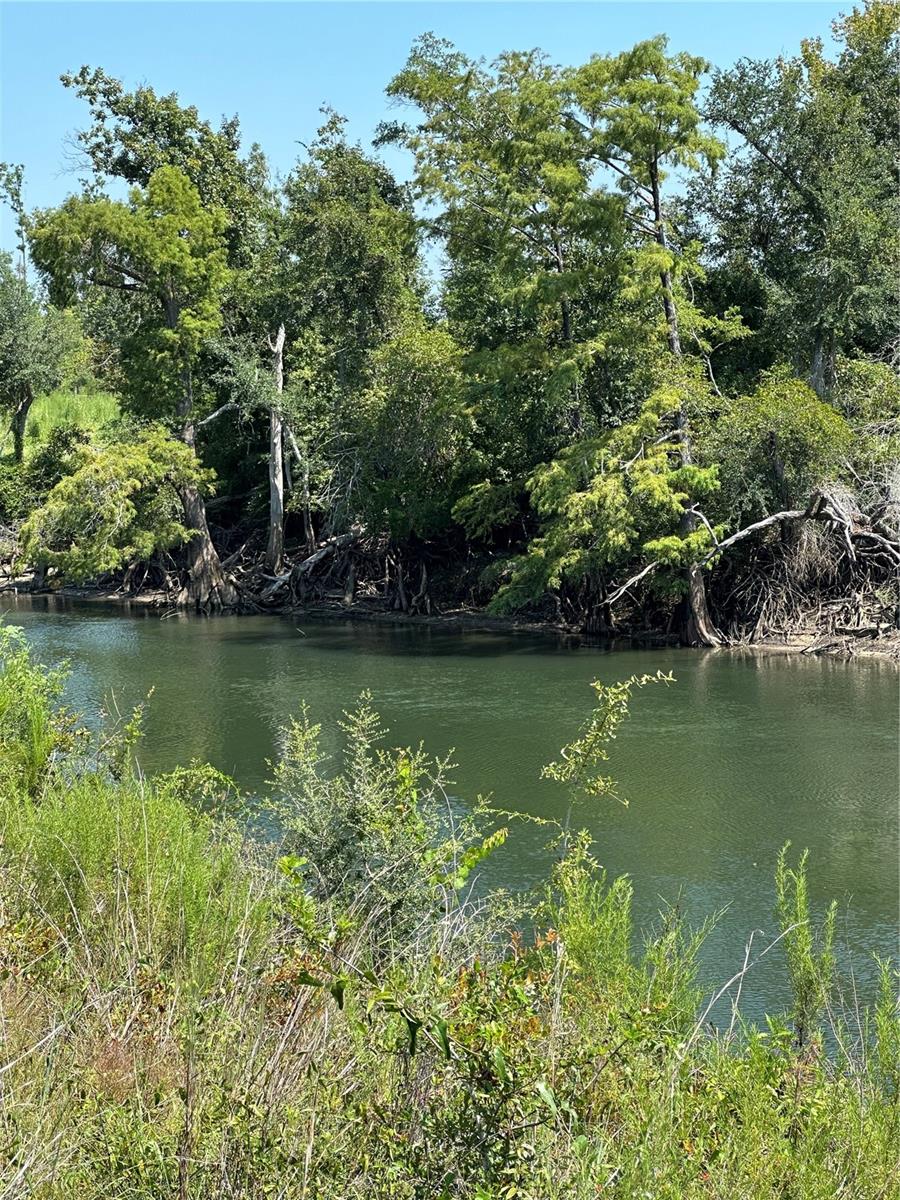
(604, 502)
(30, 728)
(810, 966)
(774, 447)
(374, 834)
(179, 1012)
(581, 762)
(118, 507)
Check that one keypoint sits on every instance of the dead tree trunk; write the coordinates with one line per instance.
(695, 625)
(275, 547)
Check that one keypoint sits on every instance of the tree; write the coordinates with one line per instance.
(351, 245)
(167, 252)
(605, 501)
(133, 134)
(808, 204)
(12, 184)
(331, 277)
(642, 116)
(534, 248)
(417, 427)
(38, 345)
(774, 447)
(521, 156)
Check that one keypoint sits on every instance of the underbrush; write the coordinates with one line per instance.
(186, 1013)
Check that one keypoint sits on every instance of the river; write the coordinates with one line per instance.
(741, 754)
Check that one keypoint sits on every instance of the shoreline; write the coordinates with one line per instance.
(809, 642)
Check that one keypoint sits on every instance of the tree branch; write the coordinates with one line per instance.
(629, 583)
(217, 413)
(788, 514)
(802, 190)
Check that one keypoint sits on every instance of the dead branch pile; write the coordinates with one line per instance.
(831, 568)
(344, 570)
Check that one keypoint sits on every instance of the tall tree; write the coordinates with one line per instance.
(353, 278)
(167, 252)
(38, 343)
(130, 137)
(132, 134)
(12, 184)
(808, 203)
(642, 115)
(534, 249)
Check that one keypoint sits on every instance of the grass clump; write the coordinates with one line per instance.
(186, 1013)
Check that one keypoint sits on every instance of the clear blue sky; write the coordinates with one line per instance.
(275, 63)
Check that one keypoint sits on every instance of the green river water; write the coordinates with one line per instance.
(742, 753)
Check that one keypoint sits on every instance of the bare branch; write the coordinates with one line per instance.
(629, 583)
(788, 514)
(224, 408)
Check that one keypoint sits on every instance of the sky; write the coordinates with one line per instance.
(276, 63)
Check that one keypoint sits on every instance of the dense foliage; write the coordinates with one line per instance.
(665, 315)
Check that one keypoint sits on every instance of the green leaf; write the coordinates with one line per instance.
(443, 1036)
(546, 1094)
(337, 990)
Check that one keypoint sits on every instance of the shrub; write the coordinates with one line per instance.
(118, 507)
(774, 447)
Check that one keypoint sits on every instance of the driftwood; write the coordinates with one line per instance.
(308, 564)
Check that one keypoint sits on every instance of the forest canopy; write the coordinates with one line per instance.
(651, 387)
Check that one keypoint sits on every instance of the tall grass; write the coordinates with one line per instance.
(186, 1014)
(87, 410)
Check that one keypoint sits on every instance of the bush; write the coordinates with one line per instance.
(867, 392)
(118, 506)
(24, 486)
(16, 497)
(774, 447)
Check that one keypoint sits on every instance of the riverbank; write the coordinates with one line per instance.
(849, 643)
(336, 1017)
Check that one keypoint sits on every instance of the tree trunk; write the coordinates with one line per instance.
(20, 421)
(207, 587)
(275, 547)
(302, 458)
(821, 373)
(695, 626)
